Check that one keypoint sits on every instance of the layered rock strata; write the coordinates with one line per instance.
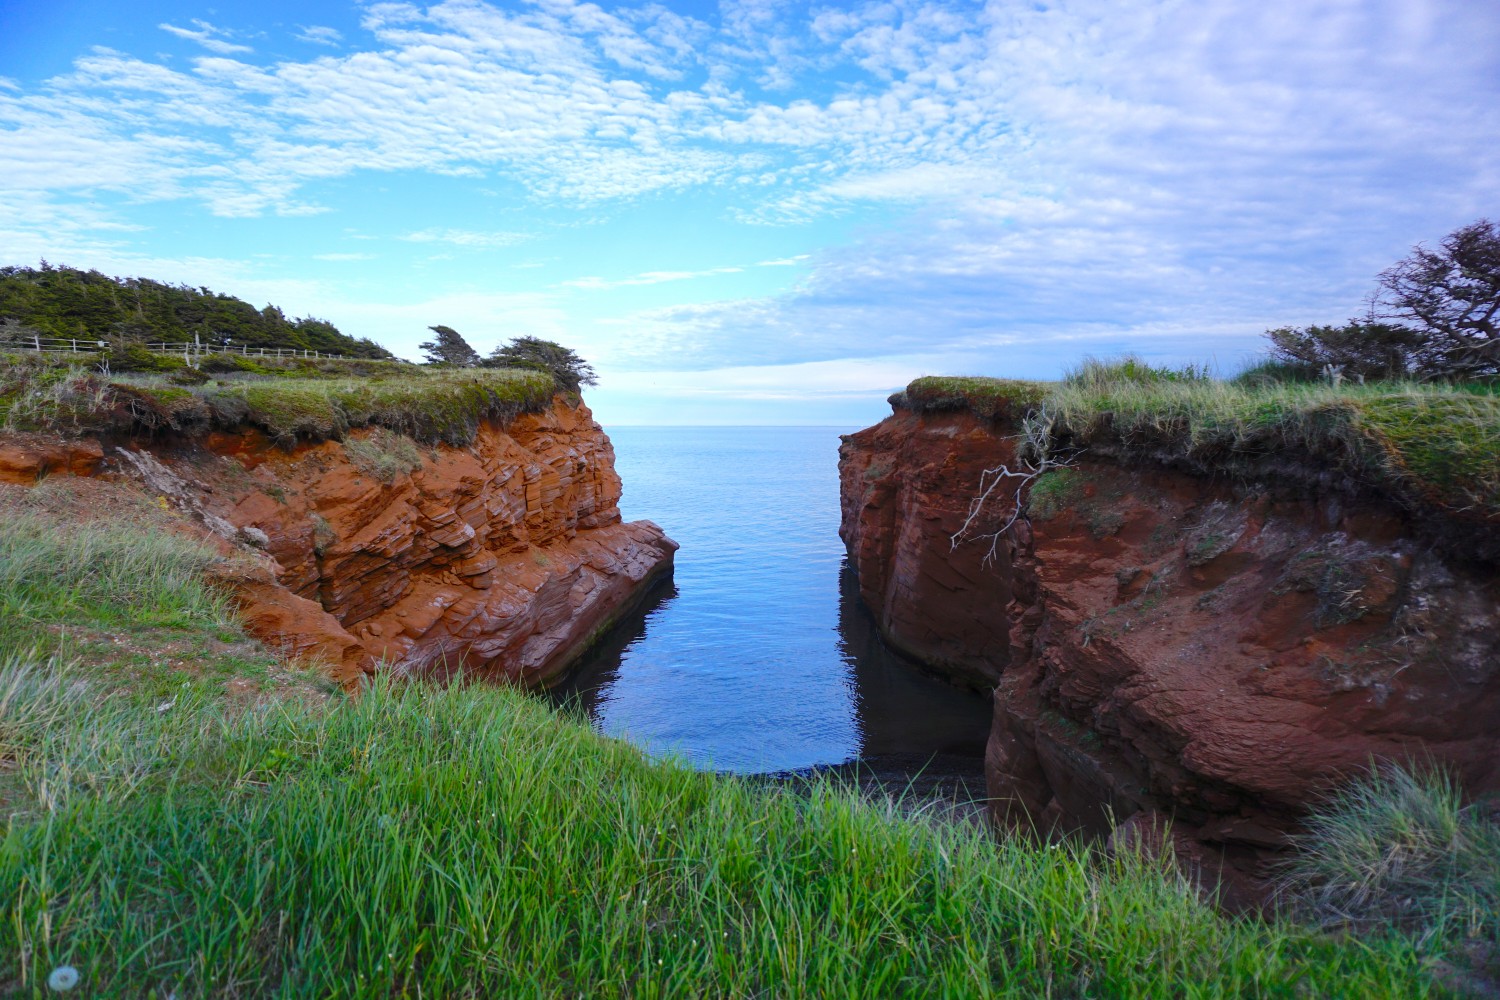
(504, 559)
(1165, 644)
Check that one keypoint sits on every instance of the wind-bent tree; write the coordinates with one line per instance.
(448, 348)
(1358, 349)
(1451, 295)
(570, 371)
(1445, 304)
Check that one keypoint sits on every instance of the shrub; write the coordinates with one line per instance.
(135, 358)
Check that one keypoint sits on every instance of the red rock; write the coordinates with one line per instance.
(504, 558)
(27, 458)
(1166, 643)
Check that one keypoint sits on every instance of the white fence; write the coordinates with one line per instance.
(243, 350)
(53, 345)
(71, 345)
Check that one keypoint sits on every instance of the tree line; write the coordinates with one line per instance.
(59, 301)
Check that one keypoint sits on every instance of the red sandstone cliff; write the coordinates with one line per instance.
(505, 558)
(1165, 643)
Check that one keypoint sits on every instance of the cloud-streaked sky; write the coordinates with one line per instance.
(758, 211)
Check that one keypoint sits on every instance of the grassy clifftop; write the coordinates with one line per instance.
(1429, 445)
(289, 400)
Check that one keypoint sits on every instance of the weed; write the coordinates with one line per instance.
(384, 454)
(323, 535)
(1053, 492)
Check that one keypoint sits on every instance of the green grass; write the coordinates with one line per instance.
(1402, 847)
(470, 841)
(1425, 444)
(384, 454)
(54, 574)
(989, 398)
(443, 405)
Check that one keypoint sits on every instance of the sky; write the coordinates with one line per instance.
(757, 211)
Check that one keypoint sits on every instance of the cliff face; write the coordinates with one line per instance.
(1165, 643)
(503, 559)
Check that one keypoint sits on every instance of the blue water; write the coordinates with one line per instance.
(759, 657)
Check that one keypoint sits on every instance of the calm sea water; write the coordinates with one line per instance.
(759, 657)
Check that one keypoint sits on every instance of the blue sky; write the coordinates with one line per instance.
(757, 211)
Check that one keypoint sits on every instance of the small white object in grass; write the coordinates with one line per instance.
(166, 705)
(63, 978)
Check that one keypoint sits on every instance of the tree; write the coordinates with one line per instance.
(570, 371)
(1358, 349)
(1452, 295)
(448, 348)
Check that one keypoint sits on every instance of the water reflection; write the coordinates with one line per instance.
(897, 721)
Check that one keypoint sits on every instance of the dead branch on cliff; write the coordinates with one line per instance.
(1035, 455)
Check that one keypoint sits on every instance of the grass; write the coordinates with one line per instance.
(470, 841)
(1424, 444)
(443, 405)
(384, 454)
(1401, 847)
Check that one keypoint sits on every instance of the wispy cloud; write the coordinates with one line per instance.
(1083, 170)
(207, 35)
(646, 278)
(467, 238)
(319, 35)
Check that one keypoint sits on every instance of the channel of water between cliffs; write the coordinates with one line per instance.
(758, 656)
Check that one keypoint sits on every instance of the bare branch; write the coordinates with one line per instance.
(1035, 457)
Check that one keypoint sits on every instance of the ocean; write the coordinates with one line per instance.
(758, 657)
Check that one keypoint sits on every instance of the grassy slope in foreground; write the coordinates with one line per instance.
(430, 405)
(159, 836)
(1428, 444)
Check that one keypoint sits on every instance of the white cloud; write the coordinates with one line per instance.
(208, 36)
(467, 238)
(319, 35)
(1082, 169)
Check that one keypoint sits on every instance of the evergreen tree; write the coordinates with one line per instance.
(570, 371)
(448, 348)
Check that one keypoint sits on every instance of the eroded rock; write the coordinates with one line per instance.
(1165, 643)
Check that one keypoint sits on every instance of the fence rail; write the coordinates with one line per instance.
(76, 345)
(54, 345)
(245, 351)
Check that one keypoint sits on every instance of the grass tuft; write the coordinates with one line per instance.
(1401, 847)
(384, 454)
(987, 398)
